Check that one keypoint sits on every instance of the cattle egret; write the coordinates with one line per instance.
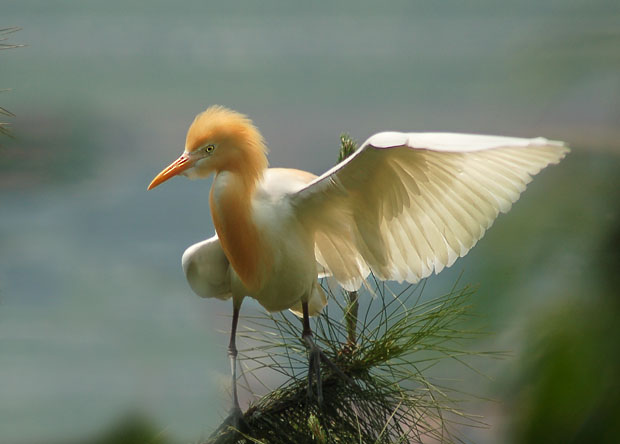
(403, 206)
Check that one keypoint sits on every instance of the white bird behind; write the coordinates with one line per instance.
(403, 206)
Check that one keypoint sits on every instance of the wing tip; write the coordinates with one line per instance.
(387, 139)
(560, 148)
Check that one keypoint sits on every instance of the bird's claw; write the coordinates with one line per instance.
(315, 357)
(232, 428)
(314, 369)
(236, 420)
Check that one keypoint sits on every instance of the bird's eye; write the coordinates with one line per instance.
(209, 148)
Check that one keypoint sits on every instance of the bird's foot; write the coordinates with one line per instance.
(314, 369)
(236, 420)
(232, 428)
(315, 357)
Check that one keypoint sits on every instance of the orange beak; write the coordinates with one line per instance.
(176, 167)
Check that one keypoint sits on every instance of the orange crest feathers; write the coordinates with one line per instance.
(235, 135)
(220, 124)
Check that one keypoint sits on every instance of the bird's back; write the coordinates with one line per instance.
(279, 182)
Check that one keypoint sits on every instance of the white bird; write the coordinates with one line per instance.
(403, 206)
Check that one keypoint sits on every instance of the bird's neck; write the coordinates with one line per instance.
(231, 208)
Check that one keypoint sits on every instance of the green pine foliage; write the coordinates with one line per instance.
(347, 147)
(390, 396)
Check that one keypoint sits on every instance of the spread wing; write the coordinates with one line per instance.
(407, 204)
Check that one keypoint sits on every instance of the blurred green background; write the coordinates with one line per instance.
(97, 324)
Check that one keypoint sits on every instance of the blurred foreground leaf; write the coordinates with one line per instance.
(567, 389)
(132, 429)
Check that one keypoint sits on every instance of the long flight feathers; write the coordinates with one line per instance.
(407, 204)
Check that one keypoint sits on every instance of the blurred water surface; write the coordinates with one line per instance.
(96, 319)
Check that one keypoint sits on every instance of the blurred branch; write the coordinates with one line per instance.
(4, 36)
(4, 32)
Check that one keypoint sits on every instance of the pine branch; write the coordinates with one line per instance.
(4, 32)
(391, 399)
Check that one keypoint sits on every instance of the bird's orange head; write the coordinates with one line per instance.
(219, 139)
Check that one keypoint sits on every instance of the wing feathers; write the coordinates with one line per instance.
(404, 211)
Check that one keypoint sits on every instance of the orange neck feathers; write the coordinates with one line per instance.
(239, 160)
(231, 208)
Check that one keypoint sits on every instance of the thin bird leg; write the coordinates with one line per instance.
(316, 355)
(235, 418)
(232, 353)
(351, 319)
(314, 364)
